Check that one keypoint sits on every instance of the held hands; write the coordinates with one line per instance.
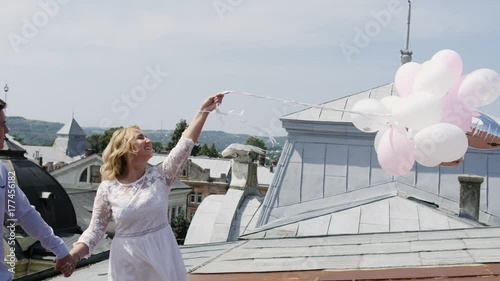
(66, 265)
(211, 102)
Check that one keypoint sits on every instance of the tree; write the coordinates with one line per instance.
(98, 142)
(204, 150)
(18, 138)
(255, 142)
(176, 136)
(210, 152)
(180, 226)
(157, 146)
(213, 151)
(93, 141)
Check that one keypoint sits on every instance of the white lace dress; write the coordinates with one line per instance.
(144, 247)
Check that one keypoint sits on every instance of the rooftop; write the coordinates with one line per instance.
(421, 254)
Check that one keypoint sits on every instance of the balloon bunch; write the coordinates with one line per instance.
(427, 121)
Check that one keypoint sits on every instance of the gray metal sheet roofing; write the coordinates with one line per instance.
(334, 252)
(393, 214)
(361, 251)
(71, 128)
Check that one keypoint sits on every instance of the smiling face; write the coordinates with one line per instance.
(3, 128)
(142, 145)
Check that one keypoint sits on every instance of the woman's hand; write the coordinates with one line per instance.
(66, 265)
(211, 102)
(194, 129)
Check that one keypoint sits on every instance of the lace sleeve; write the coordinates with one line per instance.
(101, 215)
(174, 163)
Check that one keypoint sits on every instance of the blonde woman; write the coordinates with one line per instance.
(136, 198)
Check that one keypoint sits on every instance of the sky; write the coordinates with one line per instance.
(152, 63)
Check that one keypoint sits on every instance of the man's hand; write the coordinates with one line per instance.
(66, 265)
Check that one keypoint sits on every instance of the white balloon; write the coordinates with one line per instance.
(443, 142)
(373, 115)
(419, 110)
(451, 60)
(405, 77)
(391, 102)
(433, 78)
(480, 87)
(426, 160)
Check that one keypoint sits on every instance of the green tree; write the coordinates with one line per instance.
(176, 136)
(213, 151)
(255, 142)
(157, 146)
(204, 150)
(18, 138)
(98, 142)
(180, 226)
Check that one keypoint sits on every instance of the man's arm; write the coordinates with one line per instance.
(20, 211)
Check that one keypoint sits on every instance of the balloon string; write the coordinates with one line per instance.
(322, 107)
(304, 104)
(242, 120)
(273, 141)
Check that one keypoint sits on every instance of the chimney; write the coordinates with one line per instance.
(262, 159)
(272, 165)
(244, 177)
(470, 190)
(88, 152)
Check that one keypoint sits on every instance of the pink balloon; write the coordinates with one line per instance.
(451, 60)
(405, 76)
(453, 93)
(396, 153)
(457, 113)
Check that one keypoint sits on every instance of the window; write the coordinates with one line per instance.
(95, 174)
(83, 176)
(172, 214)
(191, 198)
(198, 197)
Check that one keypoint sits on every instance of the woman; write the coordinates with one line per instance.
(136, 198)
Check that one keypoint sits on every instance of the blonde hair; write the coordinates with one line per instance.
(114, 154)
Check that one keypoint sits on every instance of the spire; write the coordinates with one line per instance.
(406, 53)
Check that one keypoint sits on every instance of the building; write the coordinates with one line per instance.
(211, 176)
(331, 207)
(69, 146)
(81, 174)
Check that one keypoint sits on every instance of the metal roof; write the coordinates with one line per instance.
(71, 128)
(361, 251)
(335, 253)
(56, 207)
(392, 214)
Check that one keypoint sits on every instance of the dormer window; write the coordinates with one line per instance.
(83, 176)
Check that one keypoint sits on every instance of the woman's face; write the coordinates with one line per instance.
(142, 145)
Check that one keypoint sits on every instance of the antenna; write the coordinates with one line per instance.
(406, 53)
